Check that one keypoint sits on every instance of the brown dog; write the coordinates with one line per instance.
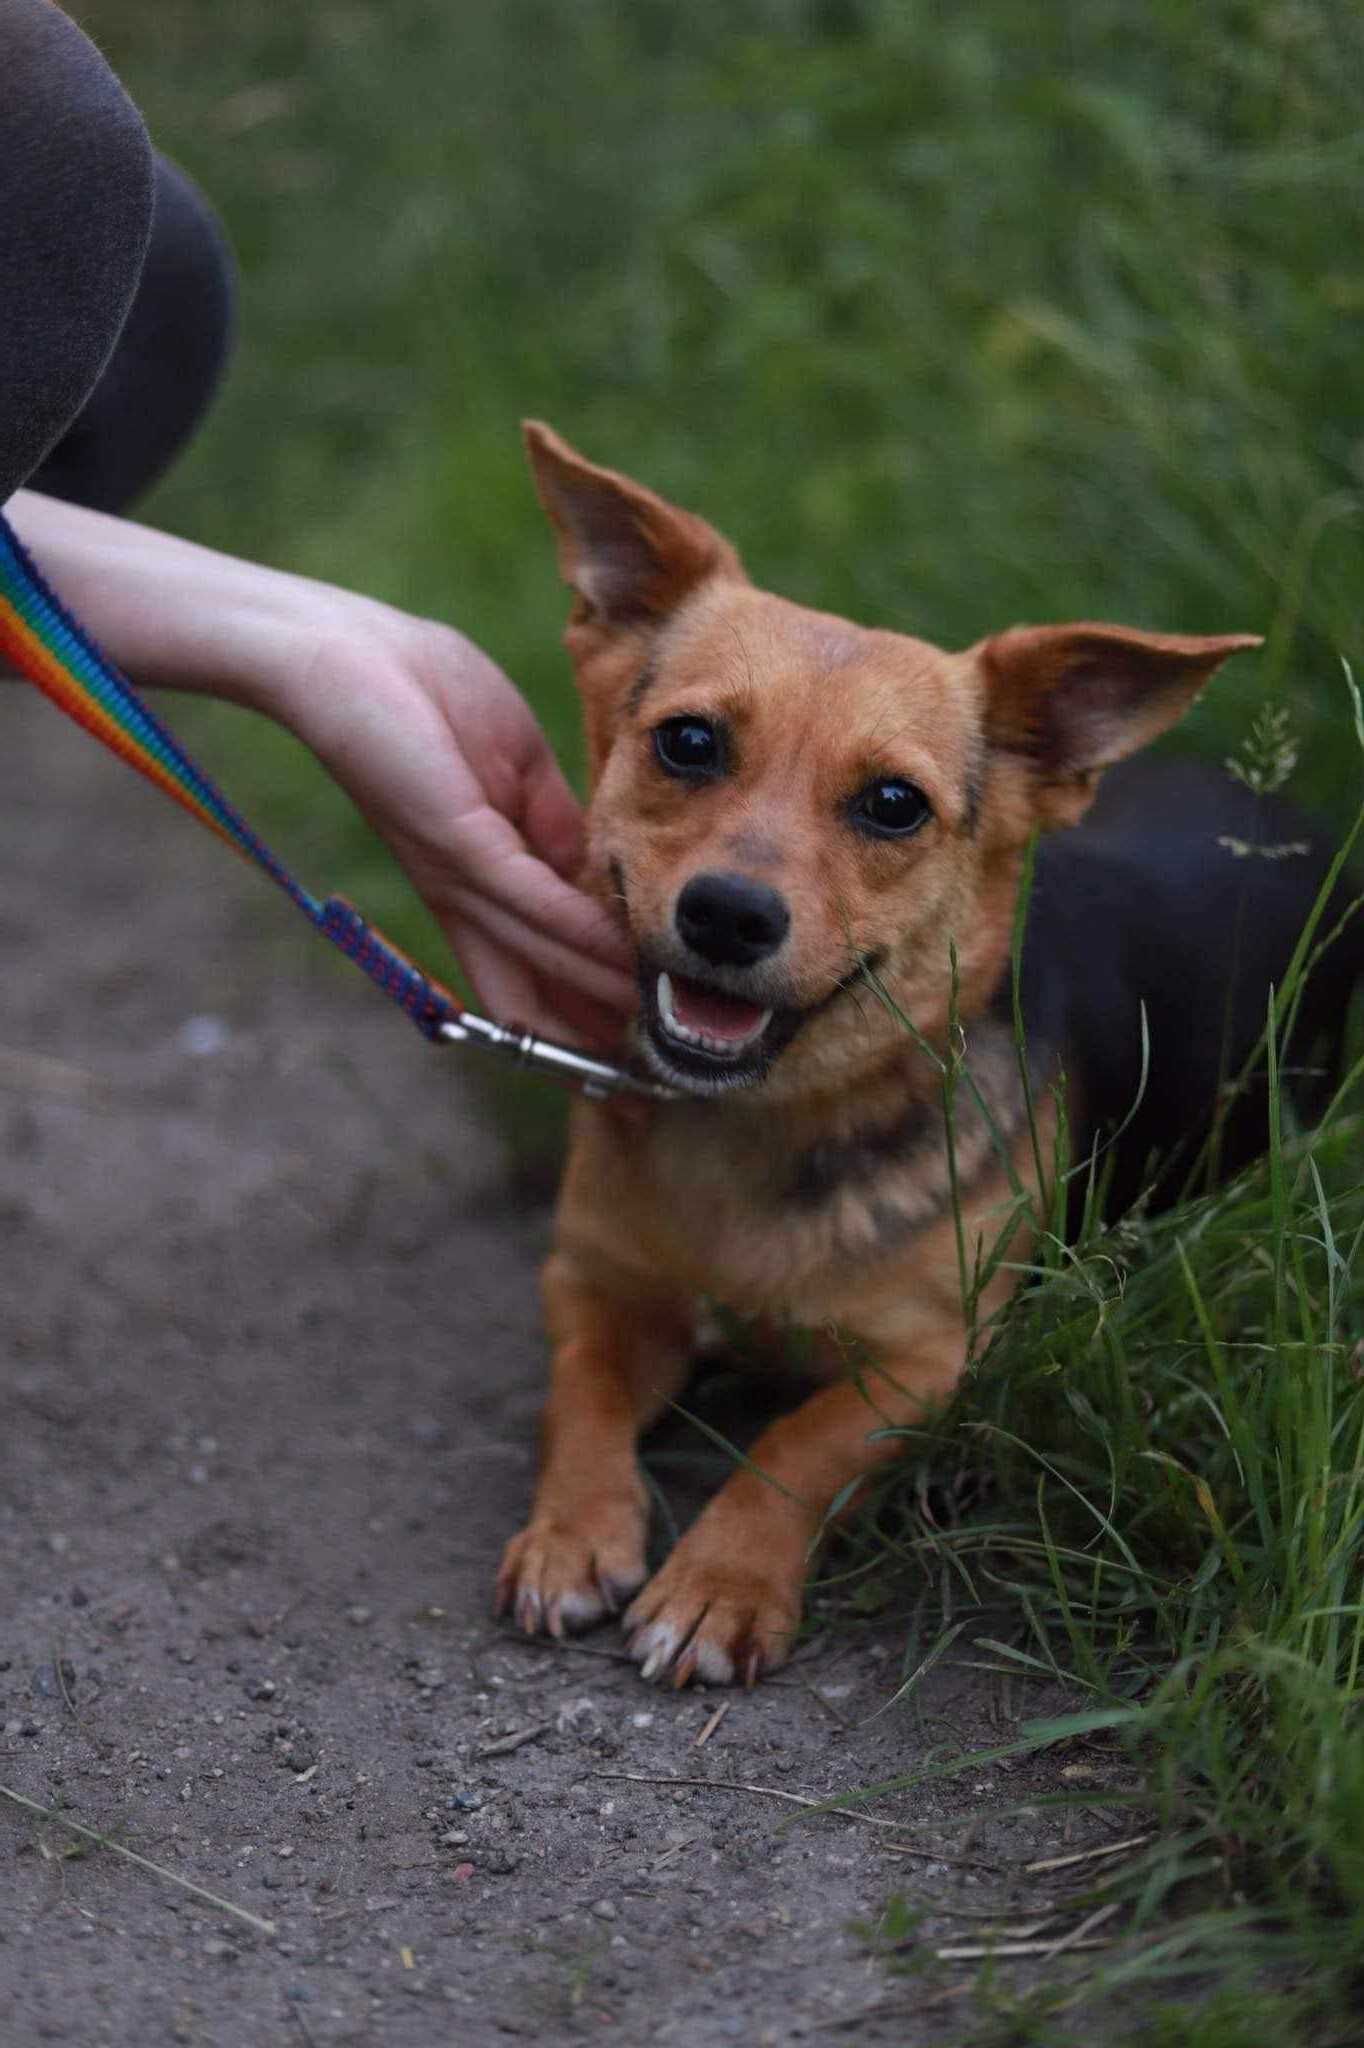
(787, 808)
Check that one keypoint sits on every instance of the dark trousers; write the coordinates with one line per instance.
(116, 284)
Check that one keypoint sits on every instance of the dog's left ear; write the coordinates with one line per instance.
(630, 555)
(1075, 699)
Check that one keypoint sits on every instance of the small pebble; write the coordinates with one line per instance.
(202, 1037)
(604, 1910)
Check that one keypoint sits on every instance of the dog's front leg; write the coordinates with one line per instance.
(618, 1358)
(727, 1603)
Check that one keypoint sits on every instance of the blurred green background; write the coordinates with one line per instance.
(951, 317)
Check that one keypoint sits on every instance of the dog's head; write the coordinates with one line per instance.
(782, 799)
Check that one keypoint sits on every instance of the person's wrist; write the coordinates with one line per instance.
(292, 648)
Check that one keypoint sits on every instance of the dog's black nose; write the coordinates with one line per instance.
(730, 920)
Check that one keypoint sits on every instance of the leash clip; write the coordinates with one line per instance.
(596, 1080)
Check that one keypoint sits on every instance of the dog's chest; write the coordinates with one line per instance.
(774, 1224)
(731, 1213)
(776, 1213)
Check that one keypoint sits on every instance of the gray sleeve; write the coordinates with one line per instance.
(76, 203)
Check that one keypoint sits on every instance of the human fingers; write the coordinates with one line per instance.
(513, 995)
(483, 853)
(551, 817)
(555, 964)
(503, 987)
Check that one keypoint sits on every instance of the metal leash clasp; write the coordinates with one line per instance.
(597, 1080)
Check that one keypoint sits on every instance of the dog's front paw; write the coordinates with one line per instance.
(709, 1615)
(566, 1570)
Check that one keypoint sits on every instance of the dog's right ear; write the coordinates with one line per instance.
(630, 556)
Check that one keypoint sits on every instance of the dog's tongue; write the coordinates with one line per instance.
(706, 1010)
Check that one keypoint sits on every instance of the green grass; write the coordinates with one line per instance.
(1025, 314)
(1171, 1415)
(950, 318)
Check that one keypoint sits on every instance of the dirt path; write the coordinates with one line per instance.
(272, 1365)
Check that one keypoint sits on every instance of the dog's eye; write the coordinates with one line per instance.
(890, 808)
(689, 746)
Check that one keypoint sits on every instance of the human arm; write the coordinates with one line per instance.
(425, 733)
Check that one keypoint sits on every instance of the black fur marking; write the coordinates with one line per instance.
(878, 1187)
(975, 785)
(641, 686)
(835, 1163)
(891, 1225)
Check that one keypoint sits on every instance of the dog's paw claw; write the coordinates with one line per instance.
(528, 1612)
(710, 1624)
(558, 1577)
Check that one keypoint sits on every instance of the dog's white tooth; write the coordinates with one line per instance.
(665, 1001)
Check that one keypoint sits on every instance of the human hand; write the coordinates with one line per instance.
(425, 733)
(444, 757)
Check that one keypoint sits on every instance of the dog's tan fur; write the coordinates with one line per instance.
(821, 1196)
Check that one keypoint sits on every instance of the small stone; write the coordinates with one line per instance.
(79, 1597)
(260, 1688)
(358, 1616)
(203, 1037)
(604, 1910)
(221, 1951)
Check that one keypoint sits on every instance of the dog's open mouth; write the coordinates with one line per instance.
(704, 1036)
(720, 1024)
(706, 1039)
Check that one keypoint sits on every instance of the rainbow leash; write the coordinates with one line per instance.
(40, 639)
